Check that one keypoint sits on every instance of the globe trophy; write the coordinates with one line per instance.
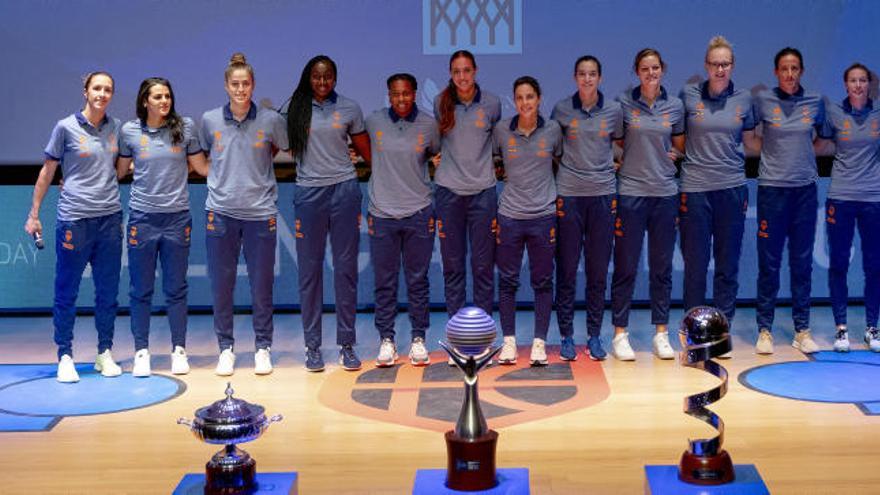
(229, 421)
(704, 335)
(471, 445)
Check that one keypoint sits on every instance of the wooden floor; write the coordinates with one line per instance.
(798, 447)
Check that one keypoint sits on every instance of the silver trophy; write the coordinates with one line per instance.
(704, 335)
(471, 445)
(228, 422)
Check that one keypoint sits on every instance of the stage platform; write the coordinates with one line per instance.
(810, 425)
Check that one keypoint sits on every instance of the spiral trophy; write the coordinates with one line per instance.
(704, 334)
(229, 421)
(471, 445)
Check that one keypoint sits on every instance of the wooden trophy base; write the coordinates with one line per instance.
(471, 463)
(706, 470)
(233, 474)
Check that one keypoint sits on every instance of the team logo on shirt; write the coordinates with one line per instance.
(542, 148)
(666, 122)
(618, 227)
(261, 138)
(218, 145)
(512, 148)
(875, 128)
(776, 119)
(144, 147)
(762, 230)
(560, 204)
(738, 114)
(83, 147)
(420, 142)
(68, 240)
(132, 235)
(176, 149)
(700, 112)
(573, 129)
(829, 217)
(297, 229)
(682, 205)
(337, 120)
(635, 118)
(806, 116)
(846, 132)
(603, 128)
(113, 142)
(480, 121)
(378, 142)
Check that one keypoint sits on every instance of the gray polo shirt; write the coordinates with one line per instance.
(587, 167)
(855, 175)
(241, 181)
(87, 155)
(466, 166)
(714, 153)
(646, 169)
(789, 121)
(529, 188)
(400, 185)
(325, 161)
(160, 168)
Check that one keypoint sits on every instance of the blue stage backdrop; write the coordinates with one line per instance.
(50, 44)
(26, 274)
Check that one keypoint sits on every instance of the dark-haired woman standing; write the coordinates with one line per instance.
(465, 199)
(327, 200)
(160, 143)
(89, 226)
(787, 197)
(241, 209)
(854, 199)
(587, 202)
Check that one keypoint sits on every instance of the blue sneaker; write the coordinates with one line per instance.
(567, 352)
(348, 359)
(596, 351)
(314, 360)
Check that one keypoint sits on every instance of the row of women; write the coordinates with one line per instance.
(564, 198)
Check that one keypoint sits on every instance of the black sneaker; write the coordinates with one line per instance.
(596, 351)
(348, 359)
(314, 360)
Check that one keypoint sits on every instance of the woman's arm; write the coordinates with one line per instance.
(44, 180)
(199, 163)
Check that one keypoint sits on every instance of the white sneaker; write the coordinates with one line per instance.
(262, 362)
(179, 361)
(872, 338)
(387, 354)
(841, 340)
(804, 342)
(225, 363)
(141, 366)
(765, 342)
(67, 370)
(106, 365)
(418, 353)
(538, 357)
(508, 351)
(621, 349)
(662, 348)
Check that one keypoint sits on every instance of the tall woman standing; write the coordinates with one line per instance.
(648, 201)
(465, 201)
(241, 209)
(787, 196)
(162, 146)
(88, 230)
(327, 201)
(854, 200)
(714, 197)
(587, 201)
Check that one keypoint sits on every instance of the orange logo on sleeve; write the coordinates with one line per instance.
(666, 122)
(261, 138)
(420, 142)
(738, 114)
(700, 113)
(542, 148)
(776, 119)
(806, 116)
(218, 145)
(378, 140)
(480, 121)
(603, 128)
(635, 118)
(337, 120)
(83, 147)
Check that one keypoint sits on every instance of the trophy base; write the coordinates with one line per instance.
(471, 463)
(231, 471)
(706, 470)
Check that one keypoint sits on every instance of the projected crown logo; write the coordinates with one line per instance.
(481, 26)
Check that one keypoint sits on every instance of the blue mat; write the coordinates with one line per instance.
(511, 481)
(32, 400)
(850, 377)
(663, 480)
(267, 484)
